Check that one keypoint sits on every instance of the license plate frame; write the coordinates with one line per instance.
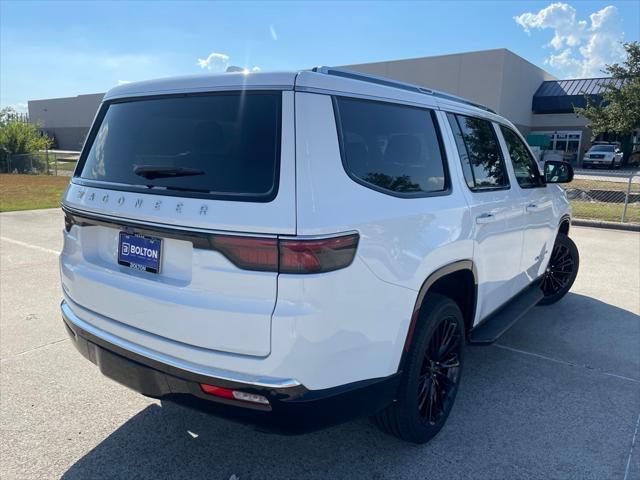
(140, 252)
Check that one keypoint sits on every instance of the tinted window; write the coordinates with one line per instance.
(524, 165)
(482, 163)
(391, 147)
(228, 144)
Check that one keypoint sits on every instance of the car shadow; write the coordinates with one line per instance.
(510, 410)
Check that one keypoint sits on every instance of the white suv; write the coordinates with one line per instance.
(294, 249)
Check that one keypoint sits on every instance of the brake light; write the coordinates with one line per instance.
(288, 255)
(68, 221)
(317, 256)
(249, 253)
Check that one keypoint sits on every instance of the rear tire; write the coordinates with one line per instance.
(561, 271)
(431, 373)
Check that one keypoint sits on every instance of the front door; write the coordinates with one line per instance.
(536, 205)
(495, 211)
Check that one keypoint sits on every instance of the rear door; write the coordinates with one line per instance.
(206, 183)
(494, 211)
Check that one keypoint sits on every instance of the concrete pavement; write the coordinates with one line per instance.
(557, 397)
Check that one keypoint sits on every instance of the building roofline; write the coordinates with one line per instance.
(66, 98)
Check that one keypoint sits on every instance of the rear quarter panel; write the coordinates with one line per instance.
(402, 241)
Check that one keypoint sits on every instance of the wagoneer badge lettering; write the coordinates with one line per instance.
(138, 202)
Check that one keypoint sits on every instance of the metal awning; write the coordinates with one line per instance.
(561, 96)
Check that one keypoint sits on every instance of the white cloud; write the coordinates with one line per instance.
(20, 107)
(273, 32)
(219, 62)
(123, 82)
(582, 48)
(215, 61)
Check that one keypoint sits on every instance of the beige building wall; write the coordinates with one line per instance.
(67, 120)
(498, 79)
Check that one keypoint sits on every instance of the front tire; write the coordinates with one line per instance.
(431, 373)
(561, 271)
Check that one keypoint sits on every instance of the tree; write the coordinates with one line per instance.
(18, 137)
(619, 110)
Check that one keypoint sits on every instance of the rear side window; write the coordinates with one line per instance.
(526, 168)
(482, 164)
(213, 146)
(391, 148)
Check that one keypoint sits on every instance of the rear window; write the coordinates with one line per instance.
(216, 145)
(391, 148)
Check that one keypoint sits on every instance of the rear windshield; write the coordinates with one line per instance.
(222, 146)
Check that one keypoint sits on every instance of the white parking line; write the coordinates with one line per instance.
(633, 442)
(564, 362)
(28, 245)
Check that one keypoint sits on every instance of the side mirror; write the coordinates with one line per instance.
(558, 172)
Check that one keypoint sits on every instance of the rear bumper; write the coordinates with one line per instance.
(292, 407)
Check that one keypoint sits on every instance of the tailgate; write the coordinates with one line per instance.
(198, 295)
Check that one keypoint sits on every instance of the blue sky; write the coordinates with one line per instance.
(56, 49)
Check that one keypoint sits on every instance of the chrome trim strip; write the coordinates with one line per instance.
(160, 228)
(214, 373)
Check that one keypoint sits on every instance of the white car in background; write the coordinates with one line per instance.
(603, 155)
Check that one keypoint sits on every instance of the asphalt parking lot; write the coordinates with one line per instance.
(557, 397)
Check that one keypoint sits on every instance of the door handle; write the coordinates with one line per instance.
(533, 208)
(486, 218)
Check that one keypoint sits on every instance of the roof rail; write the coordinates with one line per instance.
(387, 82)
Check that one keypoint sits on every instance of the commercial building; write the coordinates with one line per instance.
(539, 104)
(66, 120)
(534, 100)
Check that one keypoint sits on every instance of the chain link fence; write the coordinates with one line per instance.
(41, 163)
(613, 197)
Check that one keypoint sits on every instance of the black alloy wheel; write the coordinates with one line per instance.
(431, 373)
(440, 372)
(561, 271)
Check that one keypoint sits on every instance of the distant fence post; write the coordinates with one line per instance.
(626, 199)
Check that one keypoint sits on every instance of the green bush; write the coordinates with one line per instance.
(18, 137)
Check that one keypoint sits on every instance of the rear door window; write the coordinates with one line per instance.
(391, 148)
(212, 146)
(482, 163)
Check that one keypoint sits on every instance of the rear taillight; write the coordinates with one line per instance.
(288, 255)
(68, 221)
(317, 256)
(249, 253)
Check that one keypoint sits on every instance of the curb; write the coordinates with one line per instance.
(629, 227)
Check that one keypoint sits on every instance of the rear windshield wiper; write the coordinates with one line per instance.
(157, 171)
